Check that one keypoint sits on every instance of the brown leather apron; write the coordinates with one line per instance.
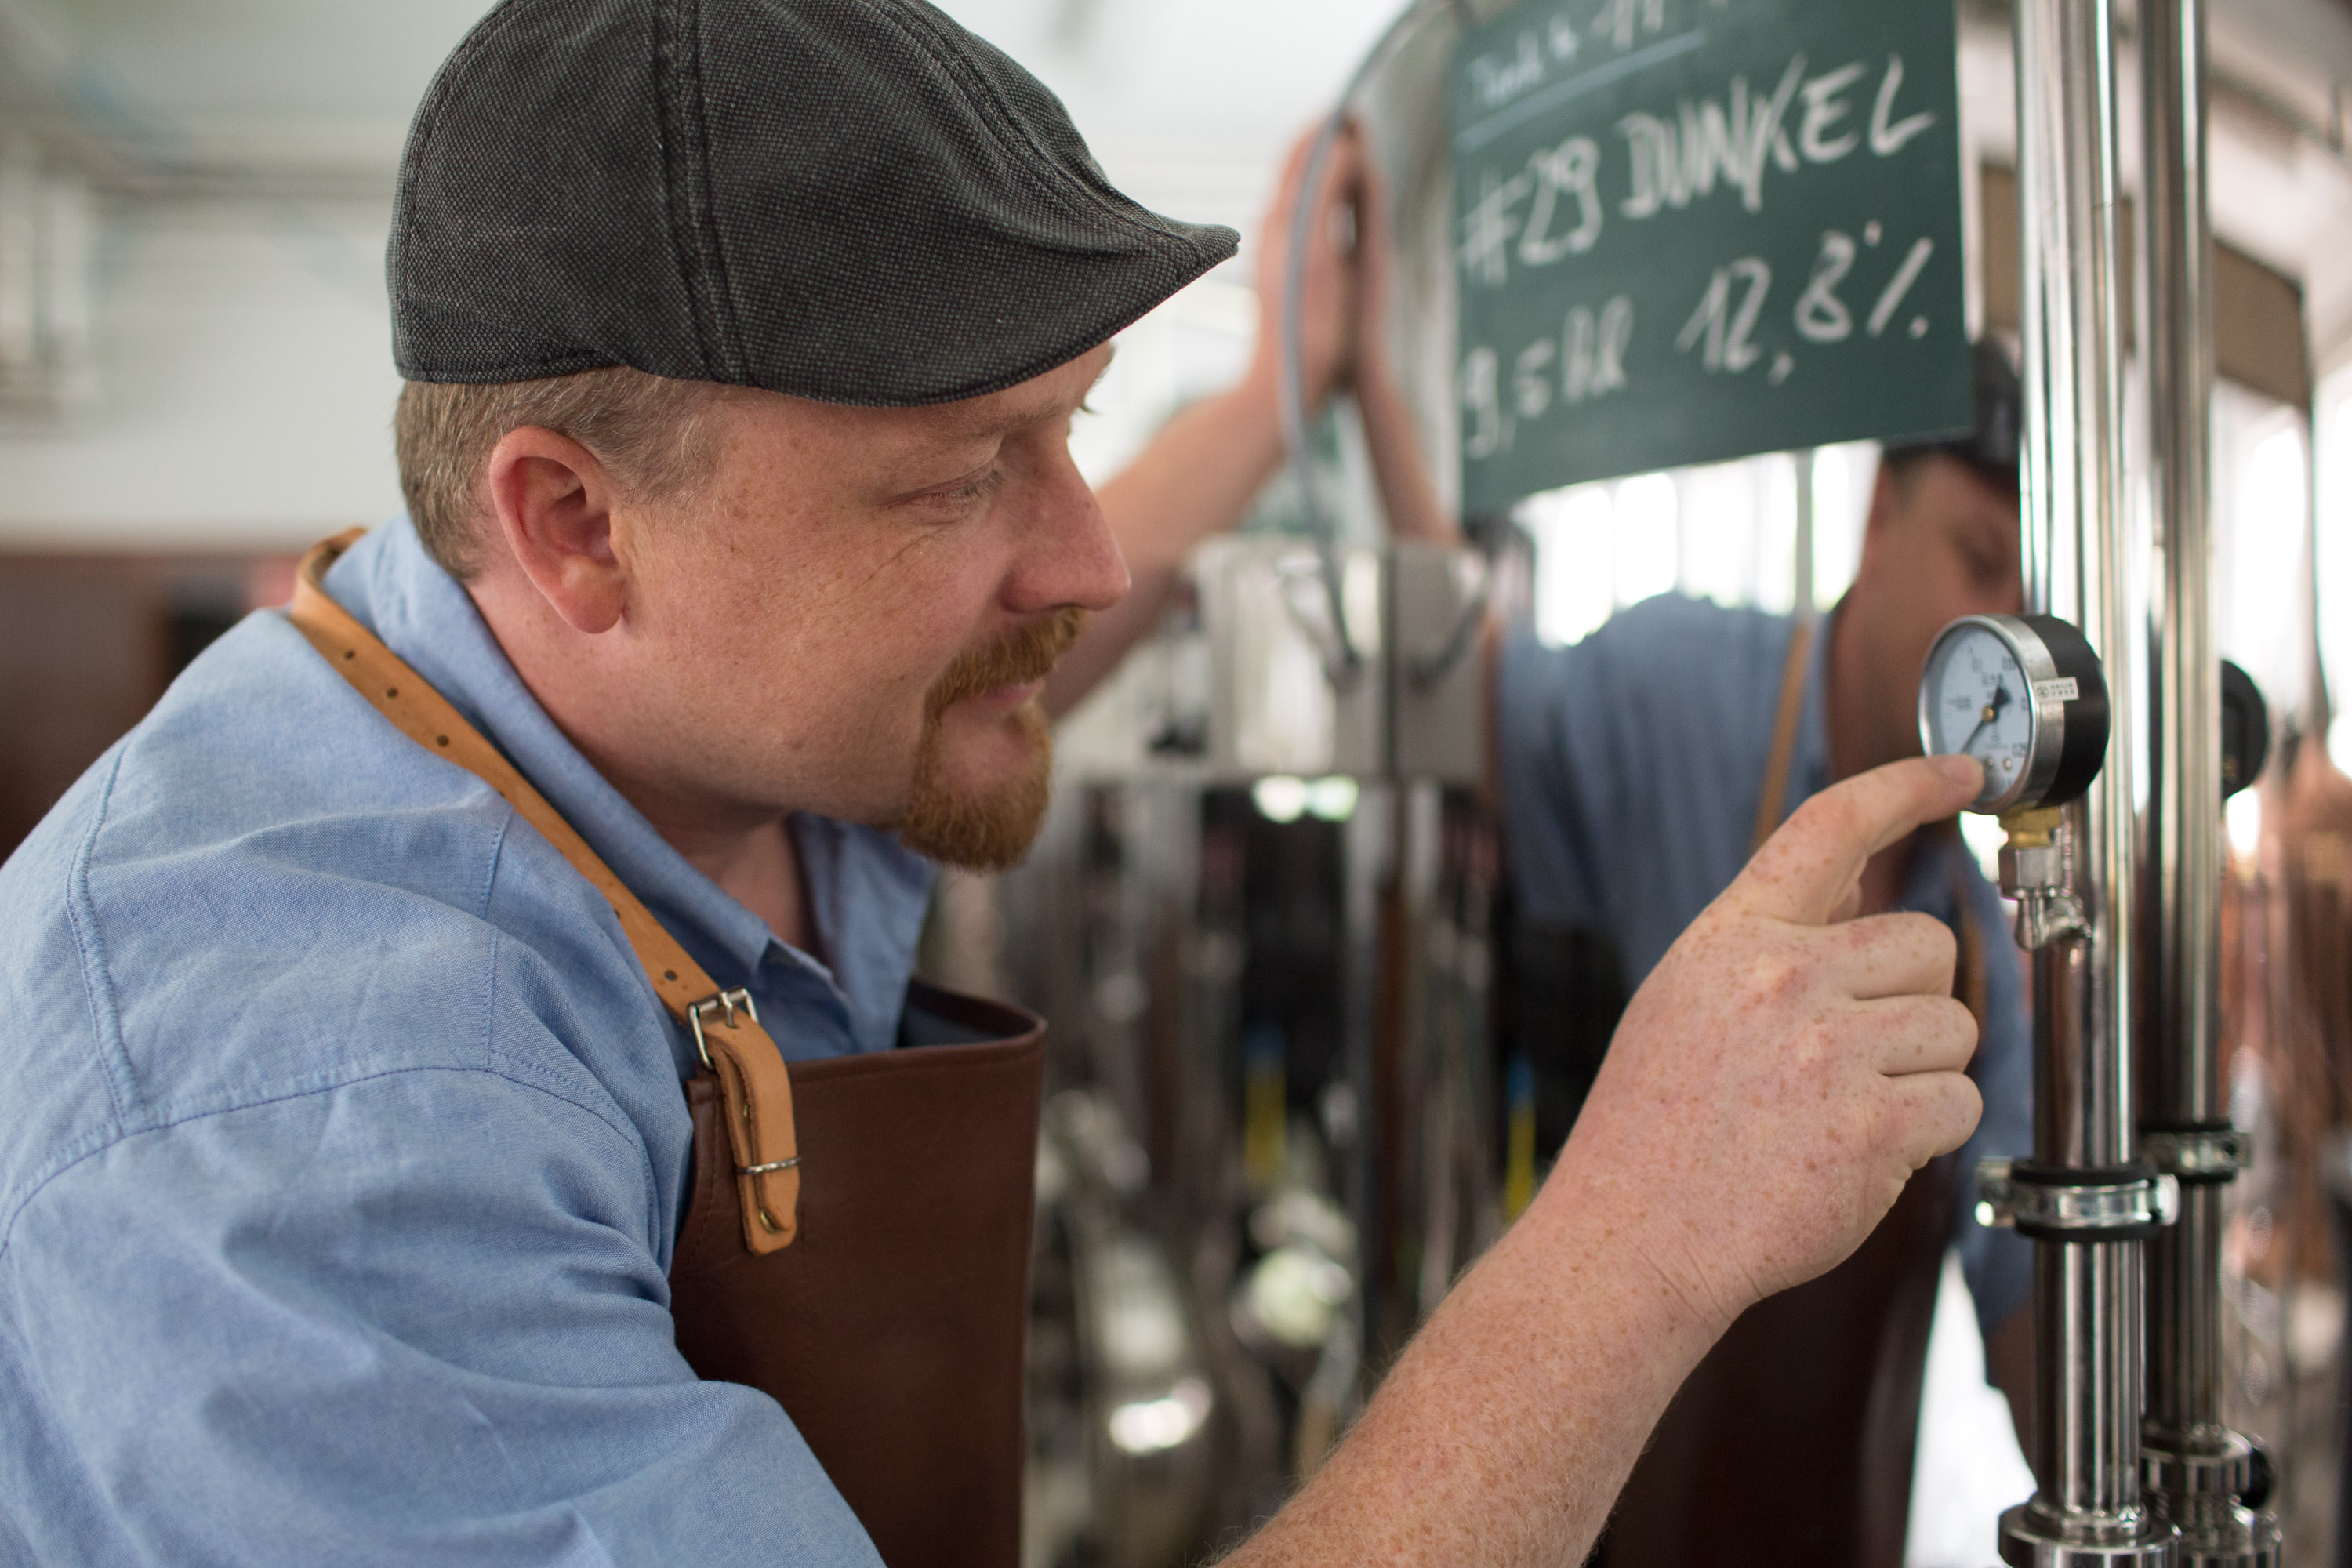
(857, 1242)
(1792, 1443)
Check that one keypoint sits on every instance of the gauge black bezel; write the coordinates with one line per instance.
(2068, 741)
(2245, 730)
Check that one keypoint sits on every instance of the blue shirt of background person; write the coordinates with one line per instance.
(1633, 763)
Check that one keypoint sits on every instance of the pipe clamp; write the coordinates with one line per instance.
(2197, 1154)
(2056, 1204)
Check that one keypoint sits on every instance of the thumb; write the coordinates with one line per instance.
(1806, 871)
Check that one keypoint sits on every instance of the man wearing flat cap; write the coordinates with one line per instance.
(463, 1097)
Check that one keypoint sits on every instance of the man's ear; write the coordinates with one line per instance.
(554, 502)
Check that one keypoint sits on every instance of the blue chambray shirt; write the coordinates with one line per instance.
(1633, 763)
(341, 1142)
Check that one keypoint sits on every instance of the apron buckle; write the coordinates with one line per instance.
(727, 1001)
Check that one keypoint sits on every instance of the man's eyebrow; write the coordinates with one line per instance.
(971, 425)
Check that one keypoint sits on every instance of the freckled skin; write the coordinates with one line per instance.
(762, 644)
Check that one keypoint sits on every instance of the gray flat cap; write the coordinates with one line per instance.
(849, 200)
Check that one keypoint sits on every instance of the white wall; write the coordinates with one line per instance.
(244, 387)
(243, 381)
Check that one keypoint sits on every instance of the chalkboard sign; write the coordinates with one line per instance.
(1690, 231)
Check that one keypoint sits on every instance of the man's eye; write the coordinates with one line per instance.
(970, 493)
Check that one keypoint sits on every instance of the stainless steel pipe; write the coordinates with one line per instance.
(2196, 1468)
(2185, 805)
(2087, 1507)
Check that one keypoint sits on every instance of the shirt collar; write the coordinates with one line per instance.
(868, 892)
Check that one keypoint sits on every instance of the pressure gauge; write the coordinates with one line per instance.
(2025, 696)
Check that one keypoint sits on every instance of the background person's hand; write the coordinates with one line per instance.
(1331, 300)
(1784, 1071)
(1376, 244)
(1206, 467)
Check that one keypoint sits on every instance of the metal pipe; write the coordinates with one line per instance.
(2185, 805)
(2197, 1469)
(2087, 1297)
(2087, 1508)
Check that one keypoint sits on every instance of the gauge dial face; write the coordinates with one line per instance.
(1979, 703)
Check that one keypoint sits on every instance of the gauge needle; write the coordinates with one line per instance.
(1991, 711)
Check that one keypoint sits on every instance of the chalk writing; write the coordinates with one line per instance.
(1913, 265)
(1586, 360)
(1732, 139)
(1767, 182)
(1726, 332)
(1571, 169)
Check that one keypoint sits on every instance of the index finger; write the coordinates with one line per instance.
(1807, 869)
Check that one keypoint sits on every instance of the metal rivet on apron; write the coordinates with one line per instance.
(770, 1223)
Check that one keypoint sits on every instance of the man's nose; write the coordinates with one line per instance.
(1068, 556)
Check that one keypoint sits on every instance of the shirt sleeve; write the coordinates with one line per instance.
(1631, 764)
(416, 1319)
(1996, 1263)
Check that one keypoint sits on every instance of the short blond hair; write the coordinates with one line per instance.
(651, 434)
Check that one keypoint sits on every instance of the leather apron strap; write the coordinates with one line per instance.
(752, 1083)
(1774, 793)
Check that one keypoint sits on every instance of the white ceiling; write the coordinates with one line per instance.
(1188, 103)
(295, 59)
(1189, 100)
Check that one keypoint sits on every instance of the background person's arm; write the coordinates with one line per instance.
(1401, 470)
(1774, 1085)
(1201, 472)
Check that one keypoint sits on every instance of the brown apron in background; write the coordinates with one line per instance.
(1792, 1443)
(881, 1297)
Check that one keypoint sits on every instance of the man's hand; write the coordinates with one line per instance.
(1785, 1069)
